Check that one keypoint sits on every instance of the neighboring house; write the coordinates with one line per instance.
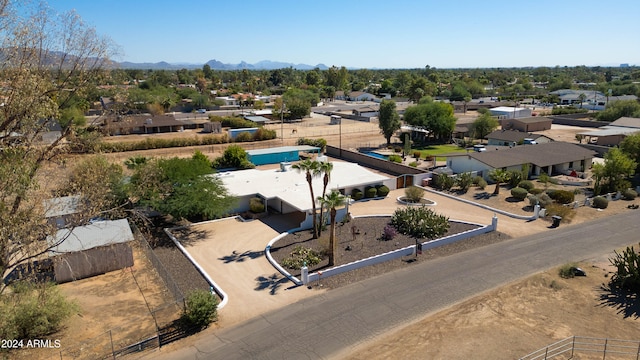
(593, 100)
(286, 191)
(355, 96)
(142, 124)
(613, 134)
(228, 100)
(527, 124)
(514, 137)
(552, 158)
(258, 119)
(509, 112)
(366, 111)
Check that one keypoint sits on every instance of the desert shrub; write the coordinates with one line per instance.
(356, 194)
(464, 181)
(420, 222)
(301, 256)
(544, 178)
(600, 202)
(541, 199)
(201, 308)
(413, 164)
(627, 274)
(397, 149)
(515, 177)
(482, 183)
(567, 271)
(526, 184)
(321, 143)
(562, 196)
(629, 194)
(413, 194)
(237, 123)
(244, 136)
(256, 205)
(443, 182)
(264, 134)
(428, 157)
(370, 192)
(135, 161)
(519, 193)
(389, 232)
(417, 154)
(383, 190)
(565, 212)
(395, 158)
(154, 143)
(33, 311)
(536, 191)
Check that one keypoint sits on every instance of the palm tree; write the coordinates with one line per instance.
(325, 168)
(499, 176)
(311, 169)
(331, 201)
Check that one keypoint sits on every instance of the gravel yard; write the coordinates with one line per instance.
(368, 243)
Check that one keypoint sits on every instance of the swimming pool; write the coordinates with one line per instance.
(376, 155)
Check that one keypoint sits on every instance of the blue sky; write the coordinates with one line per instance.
(370, 34)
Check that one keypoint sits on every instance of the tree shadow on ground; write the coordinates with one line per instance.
(624, 301)
(190, 236)
(241, 256)
(272, 282)
(482, 195)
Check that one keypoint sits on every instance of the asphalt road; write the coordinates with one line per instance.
(322, 326)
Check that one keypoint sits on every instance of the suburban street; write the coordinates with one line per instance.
(328, 325)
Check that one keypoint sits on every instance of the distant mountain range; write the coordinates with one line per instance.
(217, 65)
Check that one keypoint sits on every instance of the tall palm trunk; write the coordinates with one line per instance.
(332, 238)
(313, 206)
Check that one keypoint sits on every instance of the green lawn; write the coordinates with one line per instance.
(435, 150)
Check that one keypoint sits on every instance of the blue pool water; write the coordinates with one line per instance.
(376, 155)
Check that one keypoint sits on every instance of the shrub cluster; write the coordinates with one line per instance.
(562, 196)
(237, 123)
(527, 185)
(629, 194)
(420, 222)
(442, 182)
(357, 194)
(154, 143)
(600, 202)
(519, 193)
(480, 182)
(388, 233)
(395, 158)
(413, 194)
(256, 205)
(383, 190)
(301, 256)
(201, 308)
(370, 192)
(321, 143)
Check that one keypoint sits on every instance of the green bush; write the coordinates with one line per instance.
(417, 154)
(383, 190)
(420, 222)
(515, 177)
(542, 199)
(264, 134)
(244, 136)
(356, 194)
(536, 191)
(370, 192)
(413, 194)
(442, 182)
(562, 196)
(256, 205)
(526, 184)
(464, 181)
(395, 158)
(567, 271)
(627, 264)
(238, 123)
(482, 183)
(155, 143)
(519, 193)
(600, 202)
(413, 164)
(321, 143)
(33, 311)
(201, 308)
(629, 194)
(301, 256)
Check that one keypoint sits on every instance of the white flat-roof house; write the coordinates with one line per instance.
(287, 191)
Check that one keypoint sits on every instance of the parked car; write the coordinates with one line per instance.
(201, 111)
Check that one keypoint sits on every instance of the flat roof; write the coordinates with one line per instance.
(281, 149)
(61, 206)
(506, 108)
(98, 233)
(610, 131)
(291, 186)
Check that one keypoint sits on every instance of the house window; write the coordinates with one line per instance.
(571, 165)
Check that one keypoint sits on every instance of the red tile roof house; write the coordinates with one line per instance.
(552, 158)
